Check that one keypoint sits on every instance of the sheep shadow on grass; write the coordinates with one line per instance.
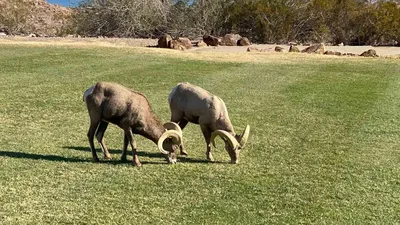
(181, 159)
(115, 151)
(24, 155)
(57, 158)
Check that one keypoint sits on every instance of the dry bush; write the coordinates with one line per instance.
(35, 16)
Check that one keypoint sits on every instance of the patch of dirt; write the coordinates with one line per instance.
(381, 51)
(72, 41)
(220, 53)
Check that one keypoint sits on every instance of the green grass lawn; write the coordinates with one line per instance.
(324, 146)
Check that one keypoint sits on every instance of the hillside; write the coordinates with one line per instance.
(34, 16)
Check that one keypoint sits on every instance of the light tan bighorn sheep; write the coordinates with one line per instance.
(189, 103)
(131, 111)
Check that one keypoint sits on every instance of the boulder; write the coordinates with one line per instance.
(4, 31)
(164, 41)
(185, 42)
(230, 39)
(181, 44)
(244, 41)
(333, 53)
(201, 44)
(175, 44)
(254, 49)
(293, 48)
(279, 49)
(318, 48)
(369, 53)
(210, 40)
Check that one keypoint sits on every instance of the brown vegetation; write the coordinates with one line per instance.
(351, 22)
(35, 17)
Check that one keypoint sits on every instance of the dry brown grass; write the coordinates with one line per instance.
(219, 54)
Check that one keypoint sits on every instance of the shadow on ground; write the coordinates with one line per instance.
(23, 155)
(143, 154)
(56, 158)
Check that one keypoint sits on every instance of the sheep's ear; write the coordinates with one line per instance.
(244, 136)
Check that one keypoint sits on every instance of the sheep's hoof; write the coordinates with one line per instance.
(210, 158)
(184, 153)
(107, 158)
(234, 161)
(138, 164)
(96, 160)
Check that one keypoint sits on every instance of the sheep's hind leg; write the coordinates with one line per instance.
(177, 117)
(182, 123)
(129, 135)
(125, 149)
(207, 137)
(90, 135)
(100, 135)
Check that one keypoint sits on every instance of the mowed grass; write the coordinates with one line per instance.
(324, 146)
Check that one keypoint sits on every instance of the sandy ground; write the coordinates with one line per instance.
(381, 51)
(203, 52)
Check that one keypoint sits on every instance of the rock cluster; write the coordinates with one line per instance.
(166, 41)
(180, 43)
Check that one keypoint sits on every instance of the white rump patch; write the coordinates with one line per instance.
(87, 93)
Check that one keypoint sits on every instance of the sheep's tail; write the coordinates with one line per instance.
(87, 93)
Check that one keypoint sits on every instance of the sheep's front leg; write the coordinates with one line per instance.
(100, 135)
(129, 135)
(207, 136)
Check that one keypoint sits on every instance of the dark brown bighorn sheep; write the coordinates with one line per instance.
(189, 103)
(131, 111)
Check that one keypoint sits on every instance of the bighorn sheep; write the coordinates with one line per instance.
(131, 111)
(189, 103)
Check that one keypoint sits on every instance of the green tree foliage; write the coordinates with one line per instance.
(386, 17)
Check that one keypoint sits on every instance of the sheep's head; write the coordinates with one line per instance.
(233, 144)
(170, 140)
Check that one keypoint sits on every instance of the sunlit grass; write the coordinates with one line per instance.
(323, 149)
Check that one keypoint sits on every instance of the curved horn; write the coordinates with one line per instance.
(244, 136)
(176, 139)
(226, 136)
(173, 126)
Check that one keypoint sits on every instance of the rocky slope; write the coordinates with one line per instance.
(35, 16)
